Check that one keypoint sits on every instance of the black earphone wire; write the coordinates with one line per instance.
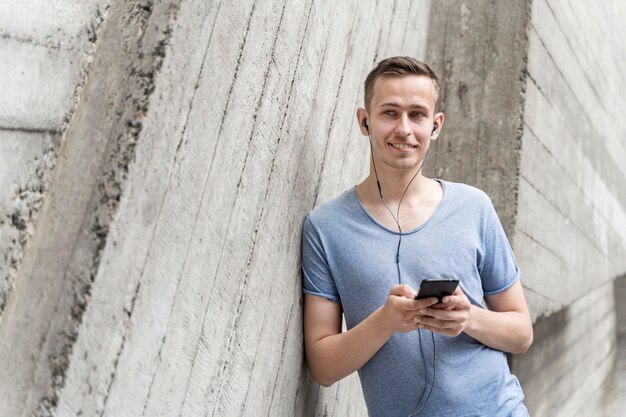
(397, 220)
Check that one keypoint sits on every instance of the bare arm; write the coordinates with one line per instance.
(505, 326)
(333, 355)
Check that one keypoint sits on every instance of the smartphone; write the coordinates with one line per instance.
(438, 288)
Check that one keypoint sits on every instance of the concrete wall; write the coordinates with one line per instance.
(570, 237)
(571, 226)
(570, 369)
(619, 406)
(150, 235)
(478, 50)
(551, 157)
(45, 48)
(162, 276)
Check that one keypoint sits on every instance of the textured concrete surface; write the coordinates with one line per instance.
(572, 205)
(163, 274)
(619, 407)
(151, 233)
(43, 313)
(533, 95)
(479, 49)
(45, 47)
(27, 159)
(570, 236)
(46, 50)
(569, 370)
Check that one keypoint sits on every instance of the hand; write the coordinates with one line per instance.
(401, 311)
(451, 317)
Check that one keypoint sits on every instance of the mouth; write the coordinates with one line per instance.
(402, 146)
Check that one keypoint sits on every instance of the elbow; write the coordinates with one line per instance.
(325, 384)
(522, 349)
(524, 344)
(528, 344)
(318, 370)
(321, 379)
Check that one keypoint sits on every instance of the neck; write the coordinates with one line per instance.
(393, 184)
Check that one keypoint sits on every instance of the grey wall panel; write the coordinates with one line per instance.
(571, 227)
(46, 50)
(533, 95)
(219, 125)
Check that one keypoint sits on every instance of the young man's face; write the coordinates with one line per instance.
(401, 120)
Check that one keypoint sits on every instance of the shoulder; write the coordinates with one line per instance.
(466, 195)
(334, 211)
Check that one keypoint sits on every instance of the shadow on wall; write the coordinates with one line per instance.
(549, 342)
(570, 368)
(619, 291)
(619, 287)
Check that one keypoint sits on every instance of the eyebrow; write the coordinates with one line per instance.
(412, 106)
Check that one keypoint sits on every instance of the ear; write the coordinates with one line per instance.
(361, 115)
(438, 121)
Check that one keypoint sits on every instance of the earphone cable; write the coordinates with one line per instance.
(397, 221)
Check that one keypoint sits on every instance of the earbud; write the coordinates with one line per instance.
(434, 128)
(380, 189)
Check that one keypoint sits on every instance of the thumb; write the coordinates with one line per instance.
(403, 291)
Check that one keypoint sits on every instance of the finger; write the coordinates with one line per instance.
(403, 291)
(426, 302)
(437, 313)
(451, 300)
(440, 325)
(457, 293)
(447, 318)
(415, 305)
(432, 322)
(457, 299)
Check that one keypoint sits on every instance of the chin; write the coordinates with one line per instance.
(403, 165)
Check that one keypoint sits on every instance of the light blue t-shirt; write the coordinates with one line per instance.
(349, 258)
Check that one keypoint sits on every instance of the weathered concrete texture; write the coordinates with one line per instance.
(216, 324)
(205, 133)
(619, 407)
(554, 168)
(478, 50)
(40, 88)
(571, 227)
(45, 48)
(27, 159)
(42, 315)
(570, 236)
(569, 370)
(620, 305)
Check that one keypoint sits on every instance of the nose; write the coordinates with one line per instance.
(403, 128)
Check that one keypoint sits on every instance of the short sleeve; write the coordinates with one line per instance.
(316, 276)
(498, 268)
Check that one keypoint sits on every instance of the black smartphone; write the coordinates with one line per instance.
(438, 288)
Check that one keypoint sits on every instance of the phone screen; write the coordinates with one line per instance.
(438, 288)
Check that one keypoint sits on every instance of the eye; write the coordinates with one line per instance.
(417, 115)
(389, 113)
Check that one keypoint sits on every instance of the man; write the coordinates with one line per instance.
(365, 253)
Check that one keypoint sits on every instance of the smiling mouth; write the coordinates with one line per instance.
(403, 146)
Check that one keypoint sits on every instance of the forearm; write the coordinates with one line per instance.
(337, 356)
(508, 331)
